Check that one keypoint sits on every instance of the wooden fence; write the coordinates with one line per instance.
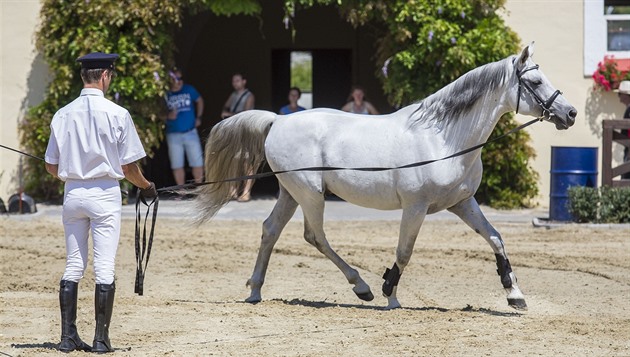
(612, 133)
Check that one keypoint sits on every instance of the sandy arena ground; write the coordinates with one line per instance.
(576, 280)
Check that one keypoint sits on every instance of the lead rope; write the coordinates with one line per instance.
(144, 251)
(333, 168)
(145, 248)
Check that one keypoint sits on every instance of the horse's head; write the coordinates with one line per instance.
(536, 96)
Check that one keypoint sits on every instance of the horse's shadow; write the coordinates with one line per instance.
(325, 304)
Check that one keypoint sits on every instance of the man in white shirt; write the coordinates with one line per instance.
(93, 144)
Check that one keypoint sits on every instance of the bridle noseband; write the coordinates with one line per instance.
(545, 105)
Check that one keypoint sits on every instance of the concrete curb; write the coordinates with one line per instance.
(546, 223)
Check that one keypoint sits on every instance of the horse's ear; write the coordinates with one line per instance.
(527, 52)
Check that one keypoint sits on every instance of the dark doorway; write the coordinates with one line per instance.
(332, 79)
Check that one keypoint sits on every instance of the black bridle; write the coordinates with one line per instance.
(545, 105)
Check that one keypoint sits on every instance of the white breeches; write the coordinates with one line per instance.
(91, 205)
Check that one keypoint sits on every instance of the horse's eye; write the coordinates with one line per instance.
(537, 82)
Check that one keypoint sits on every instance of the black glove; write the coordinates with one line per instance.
(149, 193)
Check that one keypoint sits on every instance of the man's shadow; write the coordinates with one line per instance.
(44, 345)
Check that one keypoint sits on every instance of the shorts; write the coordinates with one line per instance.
(184, 143)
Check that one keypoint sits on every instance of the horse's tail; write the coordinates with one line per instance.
(235, 148)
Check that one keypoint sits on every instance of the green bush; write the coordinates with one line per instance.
(583, 202)
(603, 205)
(508, 180)
(614, 206)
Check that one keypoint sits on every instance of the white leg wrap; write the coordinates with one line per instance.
(392, 300)
(515, 297)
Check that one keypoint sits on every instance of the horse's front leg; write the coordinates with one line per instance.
(410, 224)
(272, 227)
(469, 211)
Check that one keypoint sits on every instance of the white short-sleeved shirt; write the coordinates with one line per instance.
(92, 137)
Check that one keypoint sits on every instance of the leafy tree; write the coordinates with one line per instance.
(301, 76)
(141, 32)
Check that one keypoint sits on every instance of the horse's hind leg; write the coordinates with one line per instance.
(314, 234)
(272, 227)
(409, 227)
(469, 211)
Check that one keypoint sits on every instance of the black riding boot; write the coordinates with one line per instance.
(103, 306)
(70, 341)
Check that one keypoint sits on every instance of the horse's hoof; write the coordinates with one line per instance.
(392, 303)
(253, 300)
(518, 304)
(366, 296)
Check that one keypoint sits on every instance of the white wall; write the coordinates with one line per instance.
(557, 29)
(22, 81)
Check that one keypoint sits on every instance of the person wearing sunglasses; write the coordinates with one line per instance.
(185, 106)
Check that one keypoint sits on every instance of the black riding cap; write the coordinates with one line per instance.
(98, 60)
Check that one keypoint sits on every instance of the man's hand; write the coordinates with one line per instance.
(149, 193)
(172, 114)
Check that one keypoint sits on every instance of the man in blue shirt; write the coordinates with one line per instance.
(185, 106)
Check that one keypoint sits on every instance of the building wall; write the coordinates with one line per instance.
(22, 81)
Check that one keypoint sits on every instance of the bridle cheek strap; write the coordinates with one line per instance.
(545, 105)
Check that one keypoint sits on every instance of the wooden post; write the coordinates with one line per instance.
(609, 136)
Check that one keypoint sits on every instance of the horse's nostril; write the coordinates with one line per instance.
(573, 113)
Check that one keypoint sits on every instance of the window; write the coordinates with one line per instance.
(617, 15)
(302, 76)
(606, 31)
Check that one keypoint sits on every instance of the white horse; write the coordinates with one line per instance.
(459, 116)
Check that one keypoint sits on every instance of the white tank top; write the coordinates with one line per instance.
(238, 101)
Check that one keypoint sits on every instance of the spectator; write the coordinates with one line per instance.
(93, 144)
(294, 95)
(240, 100)
(185, 106)
(357, 102)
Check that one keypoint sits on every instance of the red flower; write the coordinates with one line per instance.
(607, 76)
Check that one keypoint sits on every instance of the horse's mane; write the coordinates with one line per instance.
(460, 96)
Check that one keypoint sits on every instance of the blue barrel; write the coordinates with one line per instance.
(570, 166)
